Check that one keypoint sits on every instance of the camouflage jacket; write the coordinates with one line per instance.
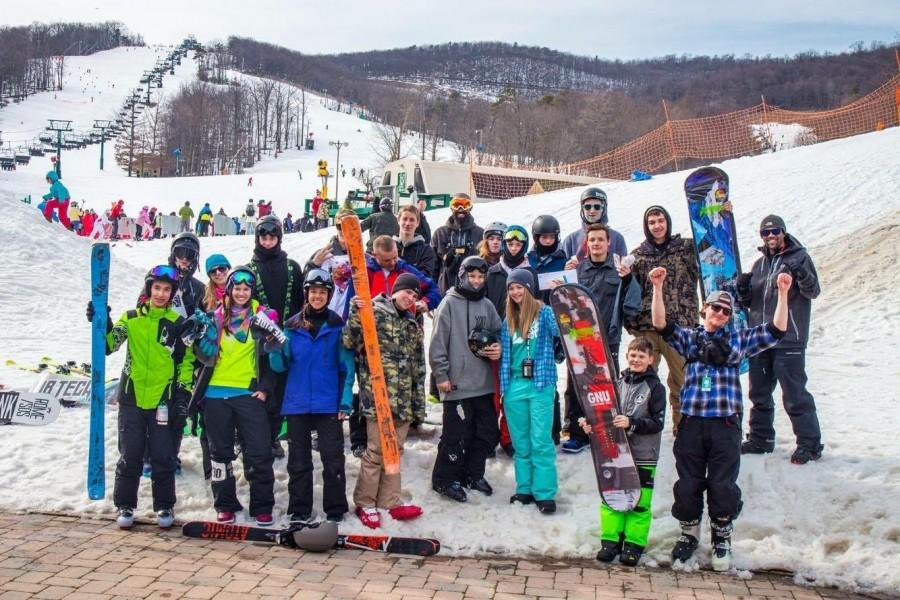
(402, 344)
(679, 288)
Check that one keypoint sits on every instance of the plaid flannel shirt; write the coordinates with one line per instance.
(542, 333)
(724, 397)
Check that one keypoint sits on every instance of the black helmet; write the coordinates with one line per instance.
(495, 228)
(543, 225)
(481, 337)
(269, 224)
(166, 273)
(472, 263)
(386, 202)
(318, 277)
(593, 193)
(187, 245)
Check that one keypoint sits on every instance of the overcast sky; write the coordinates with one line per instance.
(606, 28)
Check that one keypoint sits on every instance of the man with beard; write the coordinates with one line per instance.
(279, 286)
(786, 363)
(593, 210)
(455, 240)
(679, 289)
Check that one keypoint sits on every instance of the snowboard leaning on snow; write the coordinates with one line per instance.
(25, 408)
(208, 530)
(584, 342)
(715, 237)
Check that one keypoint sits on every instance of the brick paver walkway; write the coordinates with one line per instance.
(45, 556)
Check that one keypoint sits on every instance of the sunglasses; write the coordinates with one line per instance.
(592, 206)
(164, 271)
(764, 233)
(243, 277)
(514, 236)
(721, 309)
(216, 270)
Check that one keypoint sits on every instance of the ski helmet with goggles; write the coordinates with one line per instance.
(269, 225)
(166, 273)
(319, 278)
(240, 274)
(481, 337)
(495, 228)
(386, 202)
(593, 195)
(185, 246)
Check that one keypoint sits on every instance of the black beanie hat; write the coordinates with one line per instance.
(407, 281)
(773, 221)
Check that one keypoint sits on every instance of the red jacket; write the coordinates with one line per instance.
(116, 211)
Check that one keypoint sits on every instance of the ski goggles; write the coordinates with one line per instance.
(164, 272)
(185, 253)
(764, 233)
(268, 229)
(480, 268)
(594, 206)
(245, 277)
(461, 204)
(514, 236)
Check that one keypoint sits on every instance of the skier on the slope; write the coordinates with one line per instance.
(155, 382)
(57, 199)
(145, 223)
(279, 285)
(708, 445)
(594, 205)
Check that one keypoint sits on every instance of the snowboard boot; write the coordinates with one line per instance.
(687, 542)
(609, 550)
(631, 554)
(546, 507)
(454, 491)
(125, 519)
(803, 455)
(521, 499)
(481, 485)
(165, 518)
(752, 446)
(721, 543)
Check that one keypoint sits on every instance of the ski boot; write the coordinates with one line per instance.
(687, 542)
(803, 455)
(721, 543)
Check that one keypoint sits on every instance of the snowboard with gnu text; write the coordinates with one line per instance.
(584, 342)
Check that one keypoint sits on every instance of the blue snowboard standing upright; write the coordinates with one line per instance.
(715, 237)
(96, 476)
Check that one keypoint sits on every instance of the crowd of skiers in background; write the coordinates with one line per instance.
(493, 357)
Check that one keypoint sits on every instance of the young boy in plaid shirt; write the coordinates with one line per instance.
(708, 445)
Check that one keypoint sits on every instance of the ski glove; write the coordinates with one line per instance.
(181, 401)
(209, 343)
(89, 313)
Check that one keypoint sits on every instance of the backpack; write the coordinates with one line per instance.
(251, 211)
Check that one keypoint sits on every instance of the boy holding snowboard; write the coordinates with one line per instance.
(642, 413)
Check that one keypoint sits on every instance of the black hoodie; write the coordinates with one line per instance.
(274, 270)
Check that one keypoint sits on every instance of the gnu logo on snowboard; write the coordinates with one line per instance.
(599, 398)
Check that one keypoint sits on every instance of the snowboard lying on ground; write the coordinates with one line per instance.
(715, 237)
(25, 408)
(209, 530)
(584, 342)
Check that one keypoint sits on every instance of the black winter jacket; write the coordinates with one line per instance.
(758, 290)
(417, 253)
(273, 272)
(643, 401)
(453, 242)
(380, 223)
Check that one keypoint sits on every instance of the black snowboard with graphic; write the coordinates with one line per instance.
(584, 342)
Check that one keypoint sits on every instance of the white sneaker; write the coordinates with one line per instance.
(165, 518)
(125, 520)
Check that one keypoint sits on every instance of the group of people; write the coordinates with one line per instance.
(271, 341)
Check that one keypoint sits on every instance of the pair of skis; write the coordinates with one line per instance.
(244, 533)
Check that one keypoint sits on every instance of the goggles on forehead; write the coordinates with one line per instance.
(514, 235)
(245, 277)
(479, 268)
(164, 271)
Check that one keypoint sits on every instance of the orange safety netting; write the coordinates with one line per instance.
(754, 130)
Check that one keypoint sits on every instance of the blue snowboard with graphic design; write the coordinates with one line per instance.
(96, 475)
(715, 236)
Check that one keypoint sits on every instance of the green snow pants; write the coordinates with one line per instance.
(632, 526)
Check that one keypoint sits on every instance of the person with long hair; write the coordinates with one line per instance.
(235, 397)
(528, 383)
(217, 267)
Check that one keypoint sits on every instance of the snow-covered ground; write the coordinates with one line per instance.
(832, 522)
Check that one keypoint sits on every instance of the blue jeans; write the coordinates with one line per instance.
(787, 367)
